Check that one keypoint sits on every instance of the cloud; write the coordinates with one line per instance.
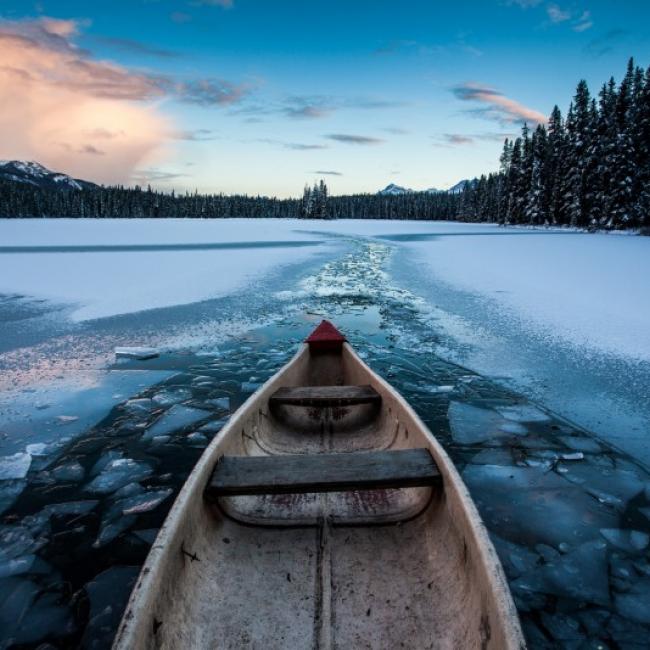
(497, 107)
(51, 92)
(462, 139)
(198, 135)
(457, 138)
(353, 139)
(557, 15)
(328, 173)
(606, 43)
(135, 47)
(395, 130)
(145, 176)
(307, 112)
(583, 23)
(210, 92)
(297, 146)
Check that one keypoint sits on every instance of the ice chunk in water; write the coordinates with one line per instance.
(176, 418)
(144, 502)
(111, 528)
(139, 406)
(579, 443)
(219, 402)
(519, 502)
(515, 559)
(621, 483)
(25, 564)
(117, 473)
(581, 574)
(15, 466)
(471, 424)
(214, 426)
(169, 397)
(197, 439)
(104, 460)
(631, 541)
(108, 593)
(66, 419)
(28, 615)
(562, 627)
(9, 493)
(635, 604)
(136, 352)
(69, 472)
(523, 413)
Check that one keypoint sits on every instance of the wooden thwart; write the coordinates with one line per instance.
(323, 396)
(297, 474)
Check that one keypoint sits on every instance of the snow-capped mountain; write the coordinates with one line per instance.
(458, 188)
(32, 173)
(394, 190)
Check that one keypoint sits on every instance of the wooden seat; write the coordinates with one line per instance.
(298, 474)
(324, 396)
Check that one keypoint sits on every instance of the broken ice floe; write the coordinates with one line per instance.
(471, 424)
(630, 541)
(176, 418)
(122, 514)
(139, 353)
(118, 473)
(15, 466)
(523, 413)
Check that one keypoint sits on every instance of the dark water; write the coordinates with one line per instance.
(570, 518)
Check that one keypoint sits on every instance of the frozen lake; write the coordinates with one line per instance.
(528, 352)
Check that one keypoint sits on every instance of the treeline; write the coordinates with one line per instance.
(22, 200)
(590, 169)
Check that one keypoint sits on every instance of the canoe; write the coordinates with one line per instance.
(323, 515)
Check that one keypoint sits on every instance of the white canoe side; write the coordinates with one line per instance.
(411, 567)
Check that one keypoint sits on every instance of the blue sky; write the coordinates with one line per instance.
(258, 96)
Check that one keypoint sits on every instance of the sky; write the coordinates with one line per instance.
(263, 96)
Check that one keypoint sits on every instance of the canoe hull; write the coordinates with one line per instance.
(364, 569)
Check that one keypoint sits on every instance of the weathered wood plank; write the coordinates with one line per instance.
(296, 474)
(323, 396)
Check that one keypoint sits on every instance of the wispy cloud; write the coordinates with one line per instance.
(297, 146)
(606, 43)
(142, 176)
(497, 106)
(463, 139)
(556, 14)
(347, 138)
(396, 130)
(583, 23)
(198, 135)
(457, 138)
(327, 173)
(135, 47)
(209, 92)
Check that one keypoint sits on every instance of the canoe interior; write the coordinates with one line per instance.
(384, 568)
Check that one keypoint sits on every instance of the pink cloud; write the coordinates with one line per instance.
(497, 107)
(56, 104)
